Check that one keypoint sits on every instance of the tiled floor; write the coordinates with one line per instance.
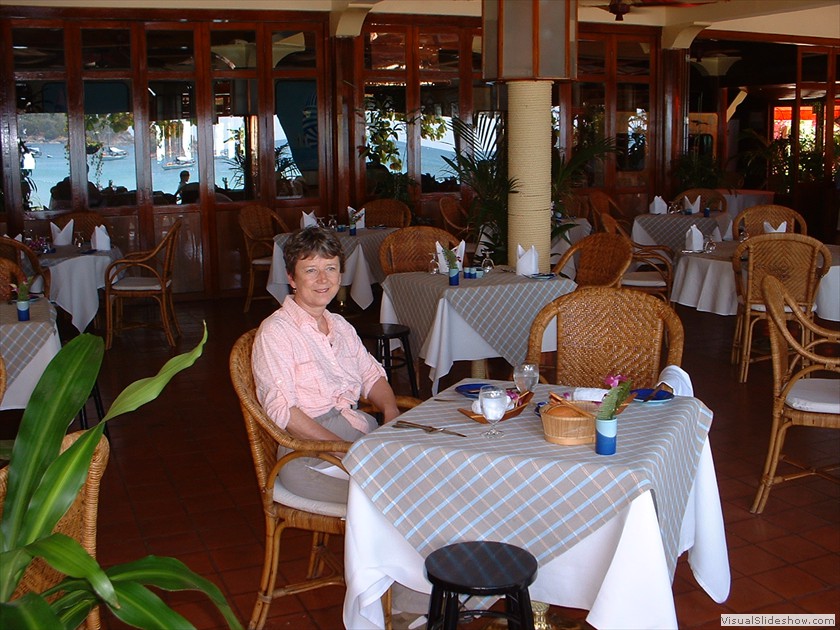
(180, 482)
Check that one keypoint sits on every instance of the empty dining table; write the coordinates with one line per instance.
(606, 531)
(26, 348)
(739, 199)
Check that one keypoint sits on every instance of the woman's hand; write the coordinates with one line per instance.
(382, 396)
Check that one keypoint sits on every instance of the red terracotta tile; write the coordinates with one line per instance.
(746, 594)
(697, 607)
(752, 559)
(825, 567)
(823, 602)
(789, 582)
(792, 549)
(827, 537)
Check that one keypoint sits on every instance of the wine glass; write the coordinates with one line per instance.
(525, 377)
(433, 264)
(494, 403)
(487, 264)
(709, 244)
(78, 240)
(333, 222)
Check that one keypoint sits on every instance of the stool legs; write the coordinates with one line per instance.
(409, 363)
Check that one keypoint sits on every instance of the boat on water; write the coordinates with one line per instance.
(179, 162)
(114, 153)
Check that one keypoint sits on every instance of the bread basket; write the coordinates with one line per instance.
(571, 422)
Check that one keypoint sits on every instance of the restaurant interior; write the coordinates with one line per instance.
(170, 123)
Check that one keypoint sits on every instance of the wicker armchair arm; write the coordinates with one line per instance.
(118, 267)
(316, 449)
(404, 403)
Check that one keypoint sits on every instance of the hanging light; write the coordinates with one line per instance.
(529, 39)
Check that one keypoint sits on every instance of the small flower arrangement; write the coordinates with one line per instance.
(451, 257)
(619, 390)
(22, 291)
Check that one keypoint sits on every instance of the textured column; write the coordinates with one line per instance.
(529, 164)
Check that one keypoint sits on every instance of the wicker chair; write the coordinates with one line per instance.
(455, 220)
(78, 523)
(259, 225)
(603, 206)
(709, 198)
(154, 281)
(83, 222)
(321, 518)
(799, 399)
(17, 252)
(2, 378)
(603, 259)
(411, 248)
(798, 261)
(752, 219)
(10, 273)
(603, 331)
(651, 268)
(388, 212)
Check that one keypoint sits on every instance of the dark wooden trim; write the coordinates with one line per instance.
(770, 38)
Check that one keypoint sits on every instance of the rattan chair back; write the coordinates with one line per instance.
(84, 222)
(259, 226)
(78, 523)
(454, 218)
(752, 219)
(603, 331)
(651, 268)
(10, 273)
(792, 362)
(411, 248)
(17, 252)
(604, 207)
(602, 260)
(709, 198)
(387, 212)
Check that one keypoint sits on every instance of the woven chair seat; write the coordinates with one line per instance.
(262, 261)
(259, 226)
(818, 395)
(138, 283)
(643, 279)
(762, 308)
(286, 497)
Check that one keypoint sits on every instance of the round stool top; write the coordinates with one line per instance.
(383, 331)
(481, 568)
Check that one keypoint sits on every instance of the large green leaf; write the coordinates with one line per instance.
(72, 607)
(12, 565)
(147, 389)
(30, 611)
(141, 608)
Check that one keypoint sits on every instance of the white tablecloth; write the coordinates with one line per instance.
(560, 245)
(738, 200)
(670, 229)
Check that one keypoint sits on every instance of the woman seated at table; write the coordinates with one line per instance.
(310, 366)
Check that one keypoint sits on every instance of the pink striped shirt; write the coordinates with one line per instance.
(296, 365)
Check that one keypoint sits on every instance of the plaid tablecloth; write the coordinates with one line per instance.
(670, 229)
(437, 488)
(499, 307)
(20, 341)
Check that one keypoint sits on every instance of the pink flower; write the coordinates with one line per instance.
(614, 379)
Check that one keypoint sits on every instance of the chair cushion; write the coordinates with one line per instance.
(643, 279)
(138, 283)
(763, 309)
(284, 496)
(262, 261)
(819, 395)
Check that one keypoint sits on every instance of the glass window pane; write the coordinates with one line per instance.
(106, 49)
(173, 137)
(38, 48)
(439, 51)
(591, 57)
(438, 106)
(233, 50)
(170, 50)
(588, 124)
(293, 49)
(296, 138)
(42, 129)
(385, 141)
(109, 142)
(814, 67)
(633, 58)
(476, 53)
(631, 132)
(235, 146)
(384, 51)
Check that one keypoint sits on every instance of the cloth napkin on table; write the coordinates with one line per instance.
(769, 229)
(360, 217)
(592, 394)
(527, 262)
(308, 219)
(476, 405)
(658, 206)
(693, 207)
(677, 379)
(62, 237)
(693, 239)
(443, 266)
(100, 240)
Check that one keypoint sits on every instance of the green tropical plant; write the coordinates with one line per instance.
(692, 170)
(42, 485)
(567, 174)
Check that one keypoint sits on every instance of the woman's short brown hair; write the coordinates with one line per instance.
(311, 242)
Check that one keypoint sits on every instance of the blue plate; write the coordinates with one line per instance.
(470, 390)
(538, 407)
(541, 276)
(661, 396)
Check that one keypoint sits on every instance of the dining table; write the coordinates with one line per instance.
(740, 199)
(479, 319)
(607, 531)
(670, 229)
(27, 348)
(705, 281)
(579, 229)
(361, 266)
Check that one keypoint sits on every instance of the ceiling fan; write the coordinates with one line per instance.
(619, 8)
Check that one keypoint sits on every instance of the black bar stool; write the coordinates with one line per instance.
(382, 334)
(480, 568)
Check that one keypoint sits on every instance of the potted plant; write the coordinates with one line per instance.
(42, 485)
(692, 170)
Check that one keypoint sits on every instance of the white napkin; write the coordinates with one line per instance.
(693, 239)
(476, 405)
(100, 240)
(658, 206)
(527, 262)
(693, 207)
(677, 379)
(308, 219)
(62, 237)
(18, 238)
(443, 266)
(360, 217)
(593, 394)
(769, 229)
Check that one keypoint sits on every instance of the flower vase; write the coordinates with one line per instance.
(23, 310)
(605, 436)
(454, 277)
(352, 229)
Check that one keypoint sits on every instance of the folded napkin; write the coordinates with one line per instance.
(443, 266)
(18, 238)
(658, 206)
(476, 405)
(527, 262)
(308, 219)
(693, 239)
(693, 207)
(360, 216)
(769, 229)
(62, 237)
(100, 240)
(677, 379)
(593, 394)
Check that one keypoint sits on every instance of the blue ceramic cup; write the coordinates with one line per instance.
(605, 436)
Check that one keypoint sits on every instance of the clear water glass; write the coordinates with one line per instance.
(78, 240)
(333, 222)
(433, 264)
(487, 264)
(708, 244)
(525, 377)
(494, 403)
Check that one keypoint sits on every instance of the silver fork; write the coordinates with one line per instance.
(403, 424)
